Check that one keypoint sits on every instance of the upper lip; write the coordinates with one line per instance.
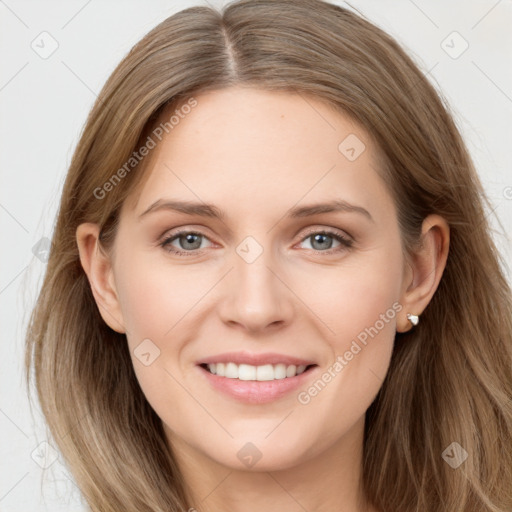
(255, 359)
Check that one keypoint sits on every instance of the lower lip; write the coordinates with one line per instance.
(257, 392)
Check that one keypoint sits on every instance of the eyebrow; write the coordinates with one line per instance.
(210, 210)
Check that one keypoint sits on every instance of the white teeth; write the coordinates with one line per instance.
(260, 373)
(246, 372)
(291, 371)
(280, 371)
(231, 371)
(265, 372)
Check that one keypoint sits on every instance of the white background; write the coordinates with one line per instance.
(43, 107)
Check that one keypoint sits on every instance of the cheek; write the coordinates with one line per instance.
(365, 303)
(154, 300)
(358, 302)
(355, 295)
(155, 296)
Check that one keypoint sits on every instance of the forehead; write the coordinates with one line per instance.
(255, 149)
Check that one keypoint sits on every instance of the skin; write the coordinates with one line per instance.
(255, 154)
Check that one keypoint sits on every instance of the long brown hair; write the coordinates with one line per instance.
(450, 379)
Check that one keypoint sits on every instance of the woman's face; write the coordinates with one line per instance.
(257, 287)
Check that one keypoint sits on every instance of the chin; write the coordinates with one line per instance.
(259, 456)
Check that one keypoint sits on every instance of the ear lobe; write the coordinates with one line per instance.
(427, 265)
(98, 269)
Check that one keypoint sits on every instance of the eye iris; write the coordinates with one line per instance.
(320, 238)
(189, 239)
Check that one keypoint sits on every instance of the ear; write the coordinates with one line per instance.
(98, 269)
(424, 269)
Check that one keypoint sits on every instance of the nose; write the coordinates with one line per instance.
(256, 297)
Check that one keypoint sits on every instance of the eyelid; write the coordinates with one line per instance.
(329, 230)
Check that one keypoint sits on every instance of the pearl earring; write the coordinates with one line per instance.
(414, 319)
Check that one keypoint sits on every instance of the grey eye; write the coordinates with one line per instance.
(190, 241)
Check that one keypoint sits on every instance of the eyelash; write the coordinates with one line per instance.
(345, 243)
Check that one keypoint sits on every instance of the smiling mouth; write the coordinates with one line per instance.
(247, 372)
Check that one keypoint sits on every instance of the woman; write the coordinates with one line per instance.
(272, 283)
